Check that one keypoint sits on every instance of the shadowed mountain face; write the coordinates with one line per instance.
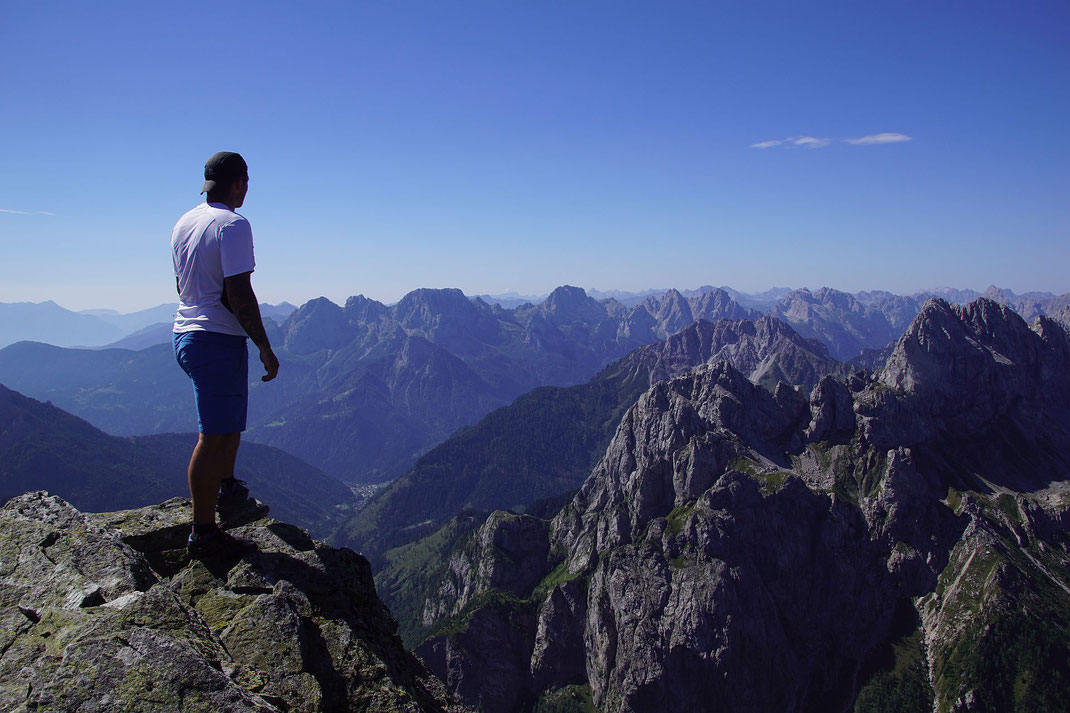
(545, 443)
(977, 387)
(893, 542)
(43, 447)
(119, 391)
(365, 388)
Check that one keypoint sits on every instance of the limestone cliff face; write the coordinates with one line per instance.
(658, 317)
(104, 612)
(510, 557)
(841, 321)
(741, 550)
(978, 389)
(766, 350)
(547, 441)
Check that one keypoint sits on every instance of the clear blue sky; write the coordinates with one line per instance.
(498, 145)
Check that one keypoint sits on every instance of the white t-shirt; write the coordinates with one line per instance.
(209, 243)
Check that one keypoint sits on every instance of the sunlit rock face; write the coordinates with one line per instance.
(899, 537)
(106, 612)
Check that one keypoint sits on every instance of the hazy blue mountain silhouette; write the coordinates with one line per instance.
(43, 447)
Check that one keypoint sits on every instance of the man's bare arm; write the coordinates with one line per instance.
(239, 298)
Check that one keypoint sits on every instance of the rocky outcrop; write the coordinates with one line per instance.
(1062, 316)
(105, 612)
(975, 388)
(508, 555)
(993, 626)
(742, 550)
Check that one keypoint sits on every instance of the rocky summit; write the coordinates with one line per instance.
(895, 541)
(106, 612)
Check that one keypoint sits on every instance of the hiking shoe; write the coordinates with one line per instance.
(217, 544)
(232, 491)
(235, 507)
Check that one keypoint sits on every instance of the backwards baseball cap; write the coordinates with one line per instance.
(222, 169)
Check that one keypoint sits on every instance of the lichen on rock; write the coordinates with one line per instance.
(106, 612)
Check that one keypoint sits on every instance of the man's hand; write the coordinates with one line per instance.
(270, 362)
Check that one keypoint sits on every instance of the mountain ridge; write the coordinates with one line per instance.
(681, 575)
(44, 447)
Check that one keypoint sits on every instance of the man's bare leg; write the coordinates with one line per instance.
(232, 454)
(212, 461)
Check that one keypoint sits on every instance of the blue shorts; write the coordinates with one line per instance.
(218, 364)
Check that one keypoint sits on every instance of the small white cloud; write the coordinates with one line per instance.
(809, 142)
(887, 137)
(25, 212)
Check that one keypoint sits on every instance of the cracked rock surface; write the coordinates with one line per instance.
(106, 612)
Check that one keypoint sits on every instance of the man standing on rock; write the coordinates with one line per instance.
(212, 248)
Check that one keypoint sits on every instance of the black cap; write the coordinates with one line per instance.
(223, 168)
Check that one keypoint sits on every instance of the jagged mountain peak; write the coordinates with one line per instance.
(713, 550)
(1054, 332)
(317, 324)
(998, 294)
(950, 348)
(767, 350)
(572, 304)
(670, 296)
(317, 309)
(362, 309)
(447, 318)
(433, 301)
(671, 310)
(771, 325)
(840, 320)
(317, 304)
(719, 304)
(708, 417)
(838, 298)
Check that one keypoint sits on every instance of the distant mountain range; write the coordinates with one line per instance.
(45, 448)
(367, 388)
(49, 323)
